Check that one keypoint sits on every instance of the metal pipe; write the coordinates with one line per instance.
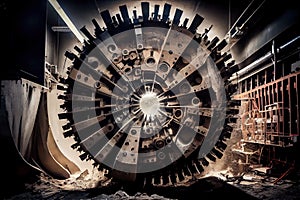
(235, 23)
(260, 5)
(239, 29)
(261, 60)
(251, 66)
(274, 52)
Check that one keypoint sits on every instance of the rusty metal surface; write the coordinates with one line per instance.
(270, 114)
(146, 99)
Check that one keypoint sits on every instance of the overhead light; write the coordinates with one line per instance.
(66, 19)
(60, 29)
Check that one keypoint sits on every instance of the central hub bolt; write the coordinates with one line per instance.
(149, 104)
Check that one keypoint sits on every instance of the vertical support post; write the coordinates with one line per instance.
(274, 53)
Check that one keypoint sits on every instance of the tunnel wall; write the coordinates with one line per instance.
(27, 144)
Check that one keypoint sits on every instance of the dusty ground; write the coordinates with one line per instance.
(251, 185)
(265, 187)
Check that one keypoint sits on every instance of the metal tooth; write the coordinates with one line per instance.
(221, 145)
(197, 171)
(62, 80)
(231, 63)
(66, 106)
(97, 165)
(114, 21)
(225, 135)
(206, 42)
(107, 19)
(70, 55)
(204, 161)
(219, 58)
(184, 25)
(233, 69)
(197, 38)
(145, 10)
(180, 175)
(70, 83)
(84, 156)
(107, 172)
(165, 179)
(177, 16)
(192, 168)
(102, 168)
(157, 180)
(60, 87)
(213, 43)
(233, 103)
(228, 128)
(230, 119)
(75, 146)
(217, 153)
(224, 58)
(76, 137)
(216, 56)
(195, 23)
(148, 181)
(97, 26)
(120, 21)
(227, 57)
(135, 18)
(155, 13)
(65, 115)
(87, 46)
(206, 31)
(67, 126)
(204, 39)
(211, 157)
(68, 72)
(68, 133)
(186, 171)
(77, 49)
(221, 45)
(173, 178)
(87, 33)
(199, 166)
(124, 13)
(166, 12)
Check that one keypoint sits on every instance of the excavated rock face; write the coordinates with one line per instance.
(147, 99)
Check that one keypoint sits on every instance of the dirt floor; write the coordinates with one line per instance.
(246, 186)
